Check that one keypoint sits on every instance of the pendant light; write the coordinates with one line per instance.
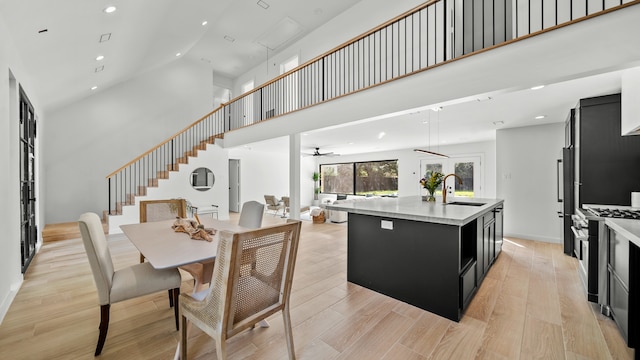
(437, 109)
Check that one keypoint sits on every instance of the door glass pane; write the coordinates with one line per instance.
(432, 166)
(465, 171)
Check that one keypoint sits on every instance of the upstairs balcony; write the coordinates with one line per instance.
(441, 52)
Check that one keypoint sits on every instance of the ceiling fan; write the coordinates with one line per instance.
(317, 152)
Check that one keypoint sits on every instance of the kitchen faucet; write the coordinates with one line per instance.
(444, 186)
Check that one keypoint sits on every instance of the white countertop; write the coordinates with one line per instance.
(628, 228)
(414, 208)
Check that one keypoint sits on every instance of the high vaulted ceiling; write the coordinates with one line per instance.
(60, 40)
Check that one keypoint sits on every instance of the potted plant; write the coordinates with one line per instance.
(431, 181)
(316, 188)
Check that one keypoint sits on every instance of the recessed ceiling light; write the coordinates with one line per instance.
(381, 135)
(105, 37)
(540, 117)
(109, 9)
(94, 87)
(100, 57)
(205, 23)
(229, 38)
(263, 4)
(485, 98)
(178, 54)
(497, 123)
(100, 68)
(537, 87)
(437, 108)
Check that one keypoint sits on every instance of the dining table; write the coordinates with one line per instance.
(165, 248)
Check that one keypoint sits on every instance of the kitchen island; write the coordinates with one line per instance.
(428, 254)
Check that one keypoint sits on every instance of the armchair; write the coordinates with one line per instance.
(273, 204)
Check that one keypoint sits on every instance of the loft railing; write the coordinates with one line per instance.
(432, 34)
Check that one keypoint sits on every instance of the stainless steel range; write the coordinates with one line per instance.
(591, 246)
(586, 230)
(622, 213)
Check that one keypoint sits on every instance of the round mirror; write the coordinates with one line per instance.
(202, 179)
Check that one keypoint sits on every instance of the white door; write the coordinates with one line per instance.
(234, 185)
(468, 168)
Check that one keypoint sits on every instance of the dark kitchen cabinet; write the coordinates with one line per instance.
(623, 256)
(599, 165)
(499, 232)
(486, 244)
(603, 156)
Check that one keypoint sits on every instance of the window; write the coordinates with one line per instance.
(248, 86)
(360, 178)
(289, 65)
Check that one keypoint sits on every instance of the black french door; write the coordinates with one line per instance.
(28, 228)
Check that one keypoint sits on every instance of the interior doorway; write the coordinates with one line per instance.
(234, 185)
(28, 227)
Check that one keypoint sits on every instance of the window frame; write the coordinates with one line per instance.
(354, 165)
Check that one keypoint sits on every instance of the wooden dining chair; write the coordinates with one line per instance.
(167, 209)
(251, 281)
(123, 284)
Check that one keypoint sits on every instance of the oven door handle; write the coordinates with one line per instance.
(578, 235)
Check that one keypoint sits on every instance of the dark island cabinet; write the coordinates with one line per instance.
(623, 280)
(489, 234)
(437, 267)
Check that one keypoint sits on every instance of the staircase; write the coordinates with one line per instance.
(428, 36)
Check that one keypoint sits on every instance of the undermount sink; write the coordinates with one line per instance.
(464, 203)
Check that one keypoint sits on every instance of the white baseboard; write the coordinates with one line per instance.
(6, 303)
(535, 237)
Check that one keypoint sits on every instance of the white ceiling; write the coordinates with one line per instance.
(146, 34)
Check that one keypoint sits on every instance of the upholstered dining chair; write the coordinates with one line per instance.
(251, 215)
(251, 281)
(168, 209)
(273, 204)
(123, 284)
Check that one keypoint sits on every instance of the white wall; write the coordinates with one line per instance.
(526, 180)
(333, 33)
(262, 173)
(409, 165)
(178, 185)
(90, 139)
(10, 274)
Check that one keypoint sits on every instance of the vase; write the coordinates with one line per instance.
(429, 197)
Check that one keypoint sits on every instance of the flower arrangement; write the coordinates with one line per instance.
(431, 181)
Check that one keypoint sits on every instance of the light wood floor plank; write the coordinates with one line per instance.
(55, 314)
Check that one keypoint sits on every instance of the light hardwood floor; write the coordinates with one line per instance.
(531, 305)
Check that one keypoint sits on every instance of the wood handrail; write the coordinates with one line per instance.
(166, 141)
(360, 37)
(335, 49)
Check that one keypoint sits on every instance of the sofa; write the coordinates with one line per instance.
(336, 216)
